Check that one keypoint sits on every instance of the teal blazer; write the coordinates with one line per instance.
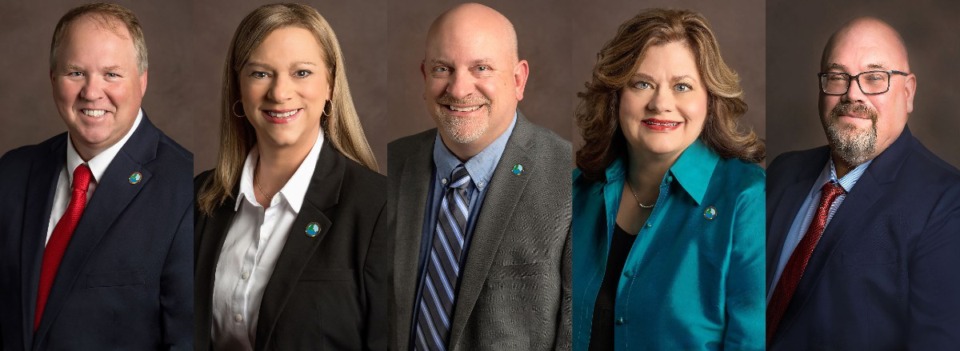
(694, 278)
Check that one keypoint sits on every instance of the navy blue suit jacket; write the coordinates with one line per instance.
(126, 279)
(886, 272)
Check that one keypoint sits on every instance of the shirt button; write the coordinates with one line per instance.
(620, 321)
(669, 178)
(245, 275)
(648, 225)
(238, 318)
(443, 181)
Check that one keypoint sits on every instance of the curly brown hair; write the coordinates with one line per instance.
(598, 111)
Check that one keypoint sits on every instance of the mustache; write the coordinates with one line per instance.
(853, 109)
(446, 99)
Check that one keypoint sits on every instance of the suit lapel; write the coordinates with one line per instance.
(322, 194)
(506, 190)
(114, 192)
(783, 213)
(212, 233)
(413, 189)
(44, 175)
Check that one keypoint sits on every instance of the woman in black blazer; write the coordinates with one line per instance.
(291, 233)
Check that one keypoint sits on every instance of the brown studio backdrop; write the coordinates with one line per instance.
(796, 35)
(737, 25)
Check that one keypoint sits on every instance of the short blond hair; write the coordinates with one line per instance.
(105, 12)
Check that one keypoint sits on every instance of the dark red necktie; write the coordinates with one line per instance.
(62, 233)
(793, 271)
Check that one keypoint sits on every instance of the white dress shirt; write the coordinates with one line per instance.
(98, 165)
(250, 252)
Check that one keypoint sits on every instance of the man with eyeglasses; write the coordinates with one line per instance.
(863, 243)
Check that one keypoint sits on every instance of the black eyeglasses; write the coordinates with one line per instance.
(874, 82)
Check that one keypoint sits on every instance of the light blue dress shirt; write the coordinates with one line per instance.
(802, 222)
(694, 277)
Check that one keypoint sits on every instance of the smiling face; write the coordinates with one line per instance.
(284, 86)
(860, 126)
(473, 78)
(663, 107)
(96, 84)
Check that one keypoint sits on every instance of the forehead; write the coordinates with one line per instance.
(671, 57)
(461, 42)
(289, 43)
(866, 47)
(97, 37)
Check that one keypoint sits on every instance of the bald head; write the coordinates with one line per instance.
(475, 19)
(869, 32)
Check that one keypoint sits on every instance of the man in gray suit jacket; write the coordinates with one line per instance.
(481, 204)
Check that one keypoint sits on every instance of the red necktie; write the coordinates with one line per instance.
(793, 271)
(62, 233)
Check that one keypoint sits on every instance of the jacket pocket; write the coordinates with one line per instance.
(517, 271)
(112, 279)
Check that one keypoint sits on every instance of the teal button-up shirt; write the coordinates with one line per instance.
(694, 278)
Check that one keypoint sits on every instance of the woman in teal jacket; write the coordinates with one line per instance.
(668, 201)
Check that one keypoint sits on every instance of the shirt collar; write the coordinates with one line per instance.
(481, 166)
(829, 174)
(293, 191)
(98, 164)
(693, 169)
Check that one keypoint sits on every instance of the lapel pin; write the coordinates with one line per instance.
(710, 213)
(517, 169)
(312, 229)
(135, 177)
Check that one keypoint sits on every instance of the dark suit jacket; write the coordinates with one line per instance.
(125, 281)
(515, 287)
(886, 272)
(327, 292)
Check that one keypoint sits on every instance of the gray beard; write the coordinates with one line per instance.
(852, 145)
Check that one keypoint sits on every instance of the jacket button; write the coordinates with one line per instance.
(620, 321)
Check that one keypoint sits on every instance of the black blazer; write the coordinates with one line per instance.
(886, 272)
(125, 281)
(327, 292)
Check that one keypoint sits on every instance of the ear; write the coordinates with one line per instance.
(423, 71)
(520, 73)
(910, 89)
(143, 83)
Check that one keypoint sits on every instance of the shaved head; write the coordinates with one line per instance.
(874, 29)
(472, 17)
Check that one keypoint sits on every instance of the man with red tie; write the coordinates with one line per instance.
(863, 243)
(96, 224)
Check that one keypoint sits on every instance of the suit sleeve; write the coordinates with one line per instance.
(176, 287)
(934, 273)
(565, 329)
(375, 274)
(745, 300)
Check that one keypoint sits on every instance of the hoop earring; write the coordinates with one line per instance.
(325, 104)
(234, 110)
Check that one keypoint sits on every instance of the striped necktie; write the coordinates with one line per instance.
(443, 268)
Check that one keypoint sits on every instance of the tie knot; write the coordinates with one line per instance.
(459, 178)
(81, 177)
(832, 190)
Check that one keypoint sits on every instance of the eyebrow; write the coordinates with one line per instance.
(672, 79)
(264, 65)
(483, 61)
(872, 66)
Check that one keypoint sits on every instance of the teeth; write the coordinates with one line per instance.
(668, 124)
(464, 109)
(282, 115)
(93, 113)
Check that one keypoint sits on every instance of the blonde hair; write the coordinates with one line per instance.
(237, 137)
(597, 114)
(106, 12)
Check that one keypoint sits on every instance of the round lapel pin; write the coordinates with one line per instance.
(135, 177)
(517, 169)
(710, 213)
(312, 229)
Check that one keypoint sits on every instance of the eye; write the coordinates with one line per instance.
(259, 74)
(836, 77)
(74, 74)
(682, 87)
(483, 68)
(876, 77)
(302, 73)
(112, 75)
(642, 85)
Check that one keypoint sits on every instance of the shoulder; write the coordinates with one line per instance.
(16, 163)
(170, 153)
(202, 179)
(926, 165)
(800, 158)
(409, 143)
(360, 182)
(543, 141)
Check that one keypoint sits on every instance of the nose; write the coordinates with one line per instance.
(460, 85)
(280, 90)
(661, 101)
(92, 89)
(854, 92)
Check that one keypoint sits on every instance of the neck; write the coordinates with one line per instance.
(645, 172)
(277, 164)
(841, 166)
